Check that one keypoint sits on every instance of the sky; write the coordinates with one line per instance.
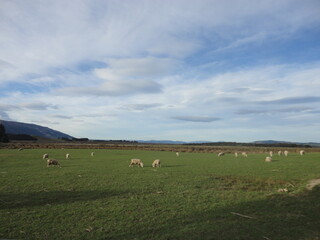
(196, 70)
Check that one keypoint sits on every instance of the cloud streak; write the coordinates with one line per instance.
(115, 88)
(203, 119)
(31, 106)
(292, 100)
(275, 111)
(140, 107)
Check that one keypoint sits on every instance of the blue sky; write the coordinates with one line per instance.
(238, 70)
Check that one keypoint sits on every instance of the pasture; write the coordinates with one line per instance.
(193, 196)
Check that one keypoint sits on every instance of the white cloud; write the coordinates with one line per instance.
(164, 59)
(115, 88)
(137, 68)
(42, 81)
(41, 36)
(126, 77)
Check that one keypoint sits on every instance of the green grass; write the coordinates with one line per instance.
(192, 196)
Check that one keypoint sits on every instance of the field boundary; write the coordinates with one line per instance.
(152, 147)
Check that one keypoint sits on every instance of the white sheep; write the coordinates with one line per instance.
(286, 153)
(282, 190)
(268, 159)
(136, 162)
(53, 162)
(67, 156)
(271, 153)
(236, 154)
(244, 154)
(220, 154)
(279, 153)
(177, 153)
(92, 154)
(45, 156)
(302, 152)
(156, 163)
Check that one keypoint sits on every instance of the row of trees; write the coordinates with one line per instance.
(6, 137)
(3, 135)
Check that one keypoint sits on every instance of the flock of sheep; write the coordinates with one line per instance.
(157, 162)
(54, 162)
(268, 158)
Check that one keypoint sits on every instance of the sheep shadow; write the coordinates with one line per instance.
(172, 166)
(276, 160)
(165, 166)
(280, 216)
(32, 199)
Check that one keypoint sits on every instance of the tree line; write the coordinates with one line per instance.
(3, 136)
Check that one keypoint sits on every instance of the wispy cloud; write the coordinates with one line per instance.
(196, 118)
(275, 111)
(140, 107)
(61, 116)
(115, 88)
(292, 100)
(31, 105)
(137, 68)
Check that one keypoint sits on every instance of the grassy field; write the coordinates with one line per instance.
(194, 196)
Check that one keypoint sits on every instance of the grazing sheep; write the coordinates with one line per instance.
(271, 153)
(46, 155)
(92, 154)
(286, 153)
(302, 152)
(53, 162)
(220, 154)
(177, 153)
(156, 163)
(236, 154)
(279, 153)
(282, 190)
(268, 159)
(67, 156)
(244, 154)
(136, 162)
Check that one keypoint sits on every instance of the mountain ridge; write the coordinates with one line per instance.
(259, 142)
(13, 127)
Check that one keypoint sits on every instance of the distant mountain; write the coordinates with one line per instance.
(269, 142)
(32, 130)
(20, 128)
(313, 144)
(221, 143)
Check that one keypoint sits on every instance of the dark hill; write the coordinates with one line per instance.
(32, 130)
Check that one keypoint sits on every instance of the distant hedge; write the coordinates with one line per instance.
(21, 137)
(251, 144)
